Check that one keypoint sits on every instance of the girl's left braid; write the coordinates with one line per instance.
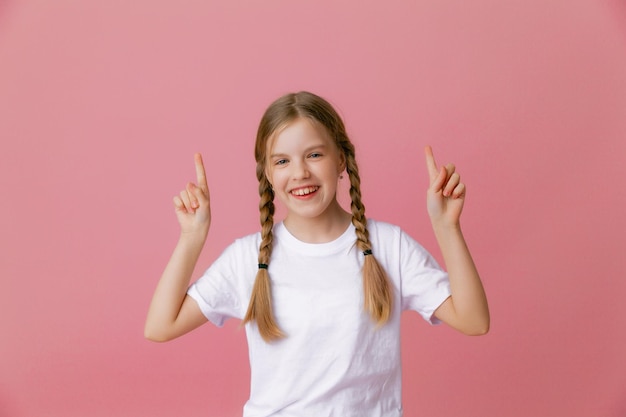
(260, 306)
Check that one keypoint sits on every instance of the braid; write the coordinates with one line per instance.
(358, 209)
(260, 306)
(266, 209)
(376, 287)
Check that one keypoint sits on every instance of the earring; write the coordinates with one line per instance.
(341, 176)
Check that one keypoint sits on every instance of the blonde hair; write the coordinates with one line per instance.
(376, 286)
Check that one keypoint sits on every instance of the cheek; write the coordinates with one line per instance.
(273, 175)
(276, 178)
(335, 168)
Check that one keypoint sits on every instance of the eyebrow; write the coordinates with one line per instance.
(307, 150)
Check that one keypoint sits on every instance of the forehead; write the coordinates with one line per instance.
(299, 132)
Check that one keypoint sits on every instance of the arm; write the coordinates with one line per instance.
(172, 312)
(466, 310)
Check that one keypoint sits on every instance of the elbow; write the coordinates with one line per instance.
(151, 336)
(478, 329)
(154, 336)
(481, 331)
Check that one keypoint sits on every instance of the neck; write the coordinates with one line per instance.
(320, 229)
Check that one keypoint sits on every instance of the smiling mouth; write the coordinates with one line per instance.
(304, 191)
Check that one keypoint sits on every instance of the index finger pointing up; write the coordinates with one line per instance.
(200, 173)
(433, 172)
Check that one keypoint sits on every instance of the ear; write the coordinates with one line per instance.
(342, 162)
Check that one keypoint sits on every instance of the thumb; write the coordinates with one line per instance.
(198, 193)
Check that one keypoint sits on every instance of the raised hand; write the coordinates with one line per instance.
(192, 205)
(172, 312)
(446, 193)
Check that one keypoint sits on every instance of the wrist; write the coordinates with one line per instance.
(194, 237)
(443, 227)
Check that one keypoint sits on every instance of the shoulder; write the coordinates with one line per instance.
(383, 229)
(247, 240)
(249, 244)
(243, 247)
(388, 236)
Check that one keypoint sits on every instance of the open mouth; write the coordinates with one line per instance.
(304, 191)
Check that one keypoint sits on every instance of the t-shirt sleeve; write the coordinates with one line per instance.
(222, 292)
(425, 285)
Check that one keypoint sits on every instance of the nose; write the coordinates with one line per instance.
(300, 170)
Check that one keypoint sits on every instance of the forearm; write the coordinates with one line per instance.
(470, 311)
(172, 287)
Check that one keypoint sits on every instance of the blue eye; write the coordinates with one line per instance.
(280, 162)
(315, 155)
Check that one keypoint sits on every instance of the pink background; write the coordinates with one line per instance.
(102, 104)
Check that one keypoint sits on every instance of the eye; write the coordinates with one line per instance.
(280, 162)
(315, 155)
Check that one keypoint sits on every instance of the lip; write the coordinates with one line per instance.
(304, 191)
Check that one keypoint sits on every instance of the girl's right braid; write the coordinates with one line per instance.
(266, 209)
(377, 293)
(260, 306)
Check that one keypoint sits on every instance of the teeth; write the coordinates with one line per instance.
(304, 191)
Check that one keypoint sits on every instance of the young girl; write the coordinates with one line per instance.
(321, 292)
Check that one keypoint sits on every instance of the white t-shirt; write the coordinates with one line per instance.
(334, 360)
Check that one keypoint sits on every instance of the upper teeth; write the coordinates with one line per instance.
(304, 191)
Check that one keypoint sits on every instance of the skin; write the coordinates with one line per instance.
(172, 312)
(294, 162)
(302, 158)
(466, 310)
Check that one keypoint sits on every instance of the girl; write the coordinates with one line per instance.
(321, 292)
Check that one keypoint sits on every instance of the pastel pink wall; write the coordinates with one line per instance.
(102, 105)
